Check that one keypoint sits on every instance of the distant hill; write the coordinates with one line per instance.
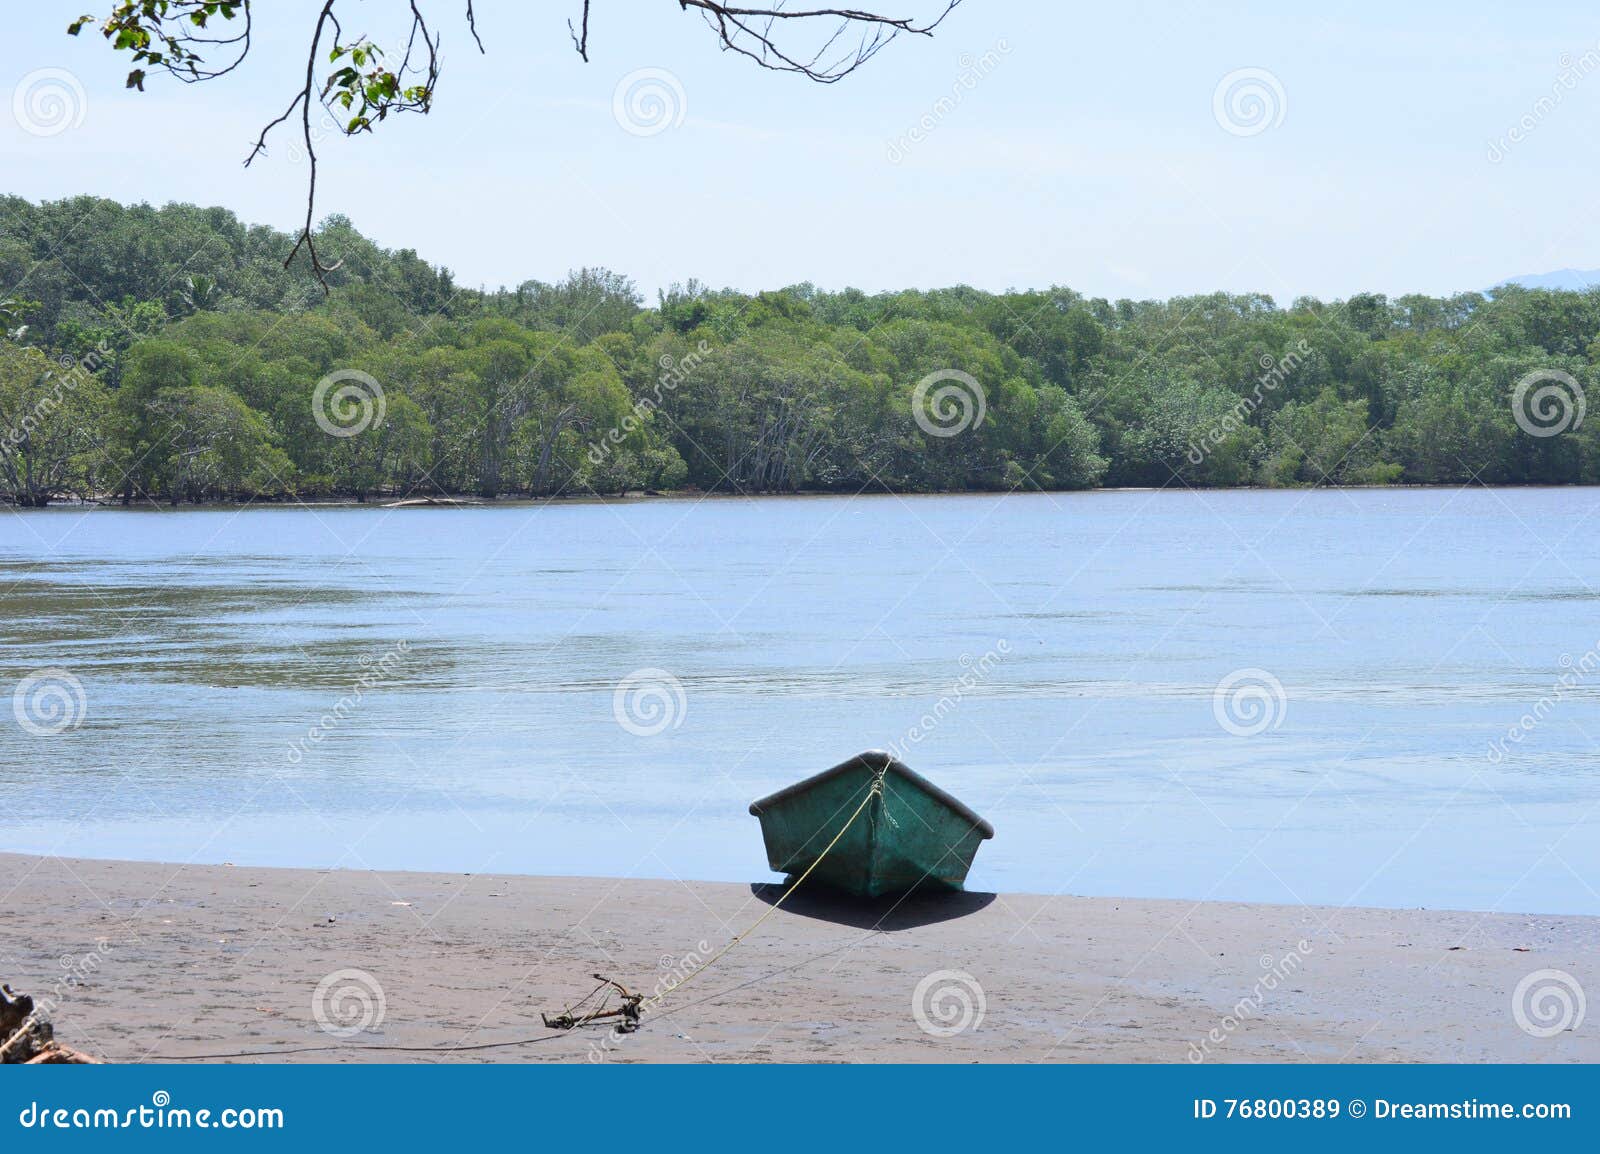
(1571, 279)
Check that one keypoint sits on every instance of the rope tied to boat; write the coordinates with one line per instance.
(634, 1005)
(872, 815)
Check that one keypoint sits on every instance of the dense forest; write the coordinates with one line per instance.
(166, 355)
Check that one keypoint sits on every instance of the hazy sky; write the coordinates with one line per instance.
(1092, 153)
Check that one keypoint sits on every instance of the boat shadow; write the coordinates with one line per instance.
(921, 907)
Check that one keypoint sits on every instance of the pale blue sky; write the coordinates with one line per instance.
(1089, 155)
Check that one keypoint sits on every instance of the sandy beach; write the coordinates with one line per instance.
(153, 962)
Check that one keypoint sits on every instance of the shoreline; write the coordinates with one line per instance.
(149, 962)
(470, 501)
(773, 879)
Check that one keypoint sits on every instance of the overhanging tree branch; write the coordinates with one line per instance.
(172, 35)
(756, 34)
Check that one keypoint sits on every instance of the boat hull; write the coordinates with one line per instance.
(911, 834)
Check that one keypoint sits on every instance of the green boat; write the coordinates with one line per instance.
(899, 830)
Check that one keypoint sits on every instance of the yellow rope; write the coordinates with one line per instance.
(874, 791)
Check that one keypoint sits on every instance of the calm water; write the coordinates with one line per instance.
(477, 653)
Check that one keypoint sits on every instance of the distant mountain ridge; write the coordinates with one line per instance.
(1570, 279)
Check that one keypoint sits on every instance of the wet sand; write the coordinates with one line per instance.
(153, 962)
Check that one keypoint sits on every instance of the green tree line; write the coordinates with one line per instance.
(166, 355)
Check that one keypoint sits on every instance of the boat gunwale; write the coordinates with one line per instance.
(881, 761)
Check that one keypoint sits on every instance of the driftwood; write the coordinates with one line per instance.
(421, 502)
(26, 1038)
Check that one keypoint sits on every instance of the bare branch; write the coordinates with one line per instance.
(752, 33)
(325, 17)
(581, 41)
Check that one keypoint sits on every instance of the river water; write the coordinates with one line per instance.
(1379, 697)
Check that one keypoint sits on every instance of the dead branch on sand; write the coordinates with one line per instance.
(26, 1038)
